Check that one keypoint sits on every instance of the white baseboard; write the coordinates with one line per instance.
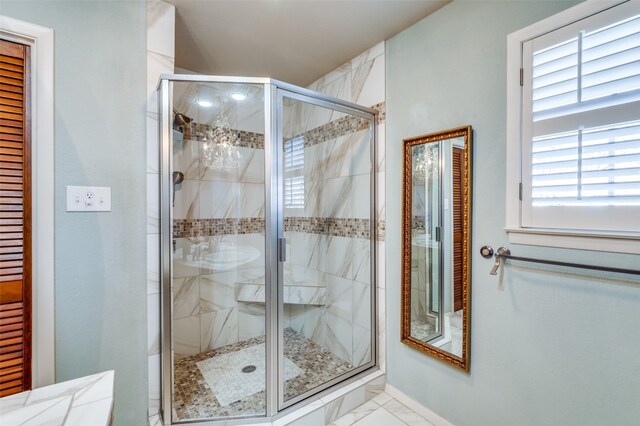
(417, 407)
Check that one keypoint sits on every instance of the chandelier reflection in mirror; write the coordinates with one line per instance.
(425, 161)
(220, 145)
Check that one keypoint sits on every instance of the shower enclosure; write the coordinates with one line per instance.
(267, 245)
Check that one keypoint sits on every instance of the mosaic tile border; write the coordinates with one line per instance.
(340, 127)
(245, 139)
(349, 227)
(210, 227)
(418, 223)
(381, 230)
(381, 108)
(331, 130)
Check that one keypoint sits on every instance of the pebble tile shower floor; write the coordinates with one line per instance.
(194, 399)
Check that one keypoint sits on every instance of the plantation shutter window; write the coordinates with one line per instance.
(581, 124)
(294, 173)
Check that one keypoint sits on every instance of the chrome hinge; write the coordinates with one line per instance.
(520, 191)
(521, 76)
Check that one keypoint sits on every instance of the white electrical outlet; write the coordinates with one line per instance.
(88, 199)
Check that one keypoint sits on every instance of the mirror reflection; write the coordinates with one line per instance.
(436, 247)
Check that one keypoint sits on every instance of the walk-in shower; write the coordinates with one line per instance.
(267, 245)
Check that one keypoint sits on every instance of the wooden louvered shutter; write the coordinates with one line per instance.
(15, 219)
(457, 228)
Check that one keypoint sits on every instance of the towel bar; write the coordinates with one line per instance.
(505, 253)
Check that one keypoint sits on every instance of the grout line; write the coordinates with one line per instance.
(420, 409)
(391, 412)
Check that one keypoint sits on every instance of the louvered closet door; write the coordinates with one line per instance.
(15, 219)
(458, 155)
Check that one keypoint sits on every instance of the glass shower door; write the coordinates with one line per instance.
(326, 284)
(426, 270)
(218, 253)
(249, 329)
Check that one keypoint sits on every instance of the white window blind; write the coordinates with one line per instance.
(589, 167)
(294, 173)
(581, 124)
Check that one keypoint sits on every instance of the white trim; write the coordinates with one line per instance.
(417, 407)
(555, 238)
(543, 237)
(561, 19)
(42, 60)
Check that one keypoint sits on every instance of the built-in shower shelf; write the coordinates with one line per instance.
(302, 294)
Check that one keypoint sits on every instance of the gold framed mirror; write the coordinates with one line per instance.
(436, 281)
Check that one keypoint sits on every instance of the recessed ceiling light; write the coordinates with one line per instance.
(238, 96)
(206, 103)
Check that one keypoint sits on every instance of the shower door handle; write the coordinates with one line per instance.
(282, 249)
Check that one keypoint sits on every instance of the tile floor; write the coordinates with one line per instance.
(383, 410)
(237, 375)
(452, 340)
(422, 330)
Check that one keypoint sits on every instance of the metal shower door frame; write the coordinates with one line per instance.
(312, 98)
(274, 93)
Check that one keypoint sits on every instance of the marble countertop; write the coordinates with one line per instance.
(79, 402)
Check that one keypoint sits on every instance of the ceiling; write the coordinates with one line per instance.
(296, 41)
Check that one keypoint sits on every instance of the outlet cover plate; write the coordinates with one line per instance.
(88, 199)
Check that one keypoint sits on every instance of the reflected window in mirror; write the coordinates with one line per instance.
(437, 210)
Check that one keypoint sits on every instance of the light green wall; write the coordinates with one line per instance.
(551, 348)
(100, 258)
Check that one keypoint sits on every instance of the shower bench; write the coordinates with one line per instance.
(303, 293)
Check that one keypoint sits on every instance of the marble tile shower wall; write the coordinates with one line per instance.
(341, 182)
(160, 60)
(332, 251)
(219, 233)
(419, 272)
(337, 188)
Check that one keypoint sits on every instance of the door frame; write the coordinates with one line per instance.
(42, 180)
(312, 98)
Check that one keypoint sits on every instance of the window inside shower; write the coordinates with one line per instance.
(268, 292)
(294, 173)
